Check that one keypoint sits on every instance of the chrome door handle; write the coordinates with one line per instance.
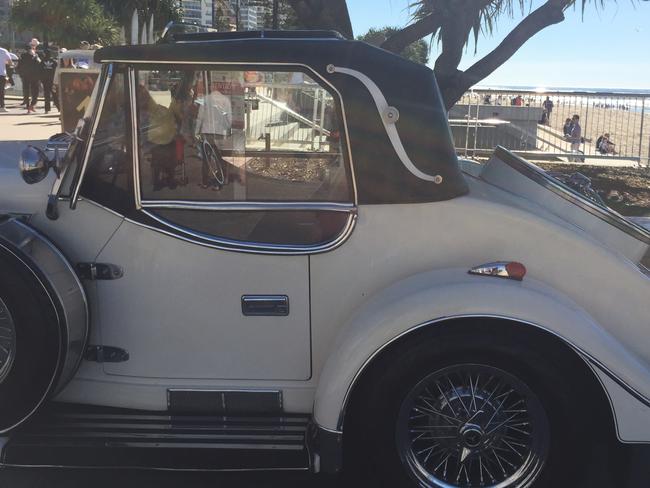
(265, 305)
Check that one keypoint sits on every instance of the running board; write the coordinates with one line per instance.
(79, 436)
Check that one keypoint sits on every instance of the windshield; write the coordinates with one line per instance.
(72, 160)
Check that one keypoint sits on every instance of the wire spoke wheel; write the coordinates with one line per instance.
(7, 341)
(214, 162)
(471, 425)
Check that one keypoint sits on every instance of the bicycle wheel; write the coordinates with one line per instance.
(213, 160)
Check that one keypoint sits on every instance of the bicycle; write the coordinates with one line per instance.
(212, 159)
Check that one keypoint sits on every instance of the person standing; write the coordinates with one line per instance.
(30, 70)
(576, 135)
(49, 65)
(5, 60)
(548, 107)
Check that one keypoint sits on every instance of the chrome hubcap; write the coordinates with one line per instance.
(7, 341)
(472, 425)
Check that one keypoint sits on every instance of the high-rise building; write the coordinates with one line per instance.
(239, 14)
(249, 18)
(198, 12)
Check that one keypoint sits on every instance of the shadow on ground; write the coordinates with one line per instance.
(629, 468)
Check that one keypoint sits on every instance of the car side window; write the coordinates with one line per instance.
(108, 175)
(220, 136)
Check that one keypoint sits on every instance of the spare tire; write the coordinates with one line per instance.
(43, 322)
(31, 342)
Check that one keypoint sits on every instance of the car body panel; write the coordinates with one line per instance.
(556, 290)
(177, 310)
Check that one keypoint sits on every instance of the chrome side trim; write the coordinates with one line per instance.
(244, 206)
(148, 468)
(589, 359)
(239, 246)
(135, 143)
(105, 78)
(252, 65)
(389, 116)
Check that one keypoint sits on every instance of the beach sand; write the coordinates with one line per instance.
(624, 126)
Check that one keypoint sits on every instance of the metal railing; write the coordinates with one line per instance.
(290, 114)
(520, 121)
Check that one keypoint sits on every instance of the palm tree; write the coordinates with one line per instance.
(454, 23)
(163, 11)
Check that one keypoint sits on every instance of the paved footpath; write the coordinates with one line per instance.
(17, 125)
(16, 130)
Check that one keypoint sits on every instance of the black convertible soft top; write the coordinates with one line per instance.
(410, 87)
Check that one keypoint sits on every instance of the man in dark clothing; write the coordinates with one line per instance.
(548, 108)
(47, 78)
(30, 71)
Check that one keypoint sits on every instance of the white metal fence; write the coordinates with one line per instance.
(521, 121)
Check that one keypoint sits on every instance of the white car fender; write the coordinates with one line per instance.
(430, 298)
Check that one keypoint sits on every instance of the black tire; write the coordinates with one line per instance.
(374, 431)
(38, 342)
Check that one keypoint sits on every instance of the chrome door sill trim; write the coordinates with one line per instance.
(246, 206)
(146, 468)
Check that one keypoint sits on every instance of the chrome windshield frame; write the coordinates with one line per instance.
(104, 79)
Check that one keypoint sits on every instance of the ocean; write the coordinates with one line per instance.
(565, 89)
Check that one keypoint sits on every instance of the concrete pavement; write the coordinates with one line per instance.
(17, 125)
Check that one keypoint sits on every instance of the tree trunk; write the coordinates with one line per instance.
(453, 83)
(323, 14)
(411, 33)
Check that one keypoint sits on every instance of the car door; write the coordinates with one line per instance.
(227, 181)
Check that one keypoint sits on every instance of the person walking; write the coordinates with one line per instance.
(49, 65)
(30, 70)
(5, 61)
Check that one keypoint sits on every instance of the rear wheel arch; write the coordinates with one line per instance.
(505, 332)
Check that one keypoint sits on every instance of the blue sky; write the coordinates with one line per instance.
(608, 49)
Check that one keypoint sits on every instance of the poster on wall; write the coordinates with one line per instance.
(76, 88)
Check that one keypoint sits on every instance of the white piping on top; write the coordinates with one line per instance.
(389, 115)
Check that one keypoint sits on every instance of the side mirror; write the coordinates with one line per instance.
(34, 164)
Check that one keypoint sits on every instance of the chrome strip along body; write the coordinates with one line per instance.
(389, 116)
(590, 361)
(106, 80)
(248, 206)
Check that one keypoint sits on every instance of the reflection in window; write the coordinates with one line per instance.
(238, 136)
(109, 170)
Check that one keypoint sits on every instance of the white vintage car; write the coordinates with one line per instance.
(260, 252)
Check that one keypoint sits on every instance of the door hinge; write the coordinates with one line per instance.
(106, 354)
(99, 271)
